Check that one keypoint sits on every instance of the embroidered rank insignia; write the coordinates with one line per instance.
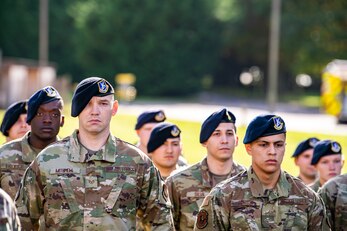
(103, 87)
(202, 219)
(278, 123)
(159, 117)
(50, 91)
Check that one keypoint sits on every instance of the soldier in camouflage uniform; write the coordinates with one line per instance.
(14, 124)
(8, 214)
(264, 197)
(334, 195)
(302, 157)
(188, 187)
(328, 160)
(45, 117)
(146, 121)
(164, 146)
(92, 180)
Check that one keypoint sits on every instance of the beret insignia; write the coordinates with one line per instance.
(335, 147)
(174, 131)
(278, 124)
(313, 142)
(103, 87)
(160, 116)
(50, 91)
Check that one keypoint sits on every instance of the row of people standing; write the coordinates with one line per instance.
(74, 166)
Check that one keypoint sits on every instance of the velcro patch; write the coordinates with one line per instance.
(202, 219)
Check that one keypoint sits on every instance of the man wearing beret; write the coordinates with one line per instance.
(14, 124)
(328, 160)
(145, 124)
(164, 146)
(92, 180)
(187, 188)
(302, 157)
(45, 117)
(334, 195)
(264, 197)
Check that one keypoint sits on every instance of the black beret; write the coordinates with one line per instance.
(212, 122)
(43, 96)
(12, 114)
(264, 125)
(150, 117)
(160, 133)
(86, 89)
(305, 145)
(325, 148)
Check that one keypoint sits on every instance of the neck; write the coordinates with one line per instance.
(322, 182)
(165, 172)
(219, 167)
(38, 143)
(307, 180)
(143, 148)
(268, 180)
(93, 141)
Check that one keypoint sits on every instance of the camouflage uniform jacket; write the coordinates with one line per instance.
(15, 157)
(334, 195)
(104, 192)
(315, 185)
(241, 203)
(8, 213)
(188, 188)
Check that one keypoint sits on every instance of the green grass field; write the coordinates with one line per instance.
(122, 126)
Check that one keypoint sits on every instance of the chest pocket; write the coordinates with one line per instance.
(341, 208)
(121, 201)
(11, 177)
(190, 207)
(294, 213)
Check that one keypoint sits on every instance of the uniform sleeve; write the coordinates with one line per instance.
(29, 200)
(328, 194)
(155, 208)
(175, 201)
(213, 213)
(317, 215)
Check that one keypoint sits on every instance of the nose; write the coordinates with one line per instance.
(272, 149)
(224, 139)
(47, 118)
(95, 109)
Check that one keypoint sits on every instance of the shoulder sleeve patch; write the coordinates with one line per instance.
(202, 219)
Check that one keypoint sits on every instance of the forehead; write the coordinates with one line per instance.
(272, 139)
(225, 126)
(330, 157)
(148, 126)
(172, 140)
(56, 104)
(102, 98)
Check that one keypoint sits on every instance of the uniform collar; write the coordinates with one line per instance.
(281, 189)
(207, 176)
(28, 153)
(106, 153)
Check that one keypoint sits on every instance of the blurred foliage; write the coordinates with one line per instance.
(171, 46)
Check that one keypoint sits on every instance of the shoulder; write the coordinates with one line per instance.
(299, 188)
(335, 183)
(234, 183)
(11, 148)
(184, 172)
(126, 148)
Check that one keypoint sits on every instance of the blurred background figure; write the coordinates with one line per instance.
(8, 213)
(302, 158)
(14, 123)
(328, 160)
(144, 125)
(165, 147)
(334, 195)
